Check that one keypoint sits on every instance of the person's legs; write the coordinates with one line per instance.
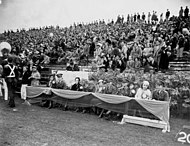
(23, 91)
(23, 94)
(11, 96)
(178, 53)
(181, 52)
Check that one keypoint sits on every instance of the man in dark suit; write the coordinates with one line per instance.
(77, 86)
(11, 77)
(160, 93)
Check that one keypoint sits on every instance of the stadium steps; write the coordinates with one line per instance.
(181, 65)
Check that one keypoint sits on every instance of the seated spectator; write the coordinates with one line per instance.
(52, 84)
(100, 62)
(137, 63)
(136, 51)
(131, 92)
(152, 63)
(52, 81)
(76, 67)
(105, 63)
(60, 83)
(123, 58)
(98, 50)
(121, 65)
(130, 63)
(100, 88)
(112, 64)
(44, 59)
(160, 93)
(35, 76)
(69, 67)
(77, 86)
(144, 92)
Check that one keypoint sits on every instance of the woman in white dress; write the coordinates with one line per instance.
(144, 92)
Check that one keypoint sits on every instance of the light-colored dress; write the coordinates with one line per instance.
(3, 85)
(143, 94)
(35, 78)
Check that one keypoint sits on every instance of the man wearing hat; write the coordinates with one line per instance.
(60, 83)
(5, 48)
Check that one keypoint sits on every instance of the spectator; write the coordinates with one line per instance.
(149, 16)
(124, 48)
(77, 86)
(143, 16)
(130, 63)
(35, 76)
(25, 81)
(181, 12)
(161, 18)
(76, 67)
(121, 65)
(100, 88)
(167, 14)
(160, 93)
(60, 83)
(52, 81)
(137, 63)
(186, 12)
(164, 59)
(180, 46)
(153, 63)
(52, 84)
(69, 66)
(144, 92)
(136, 51)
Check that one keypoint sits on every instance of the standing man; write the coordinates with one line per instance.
(186, 12)
(143, 17)
(181, 12)
(11, 76)
(149, 16)
(167, 15)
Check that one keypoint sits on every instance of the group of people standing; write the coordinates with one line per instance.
(13, 77)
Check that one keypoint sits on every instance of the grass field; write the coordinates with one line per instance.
(37, 126)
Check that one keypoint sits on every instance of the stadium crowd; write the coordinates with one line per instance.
(135, 42)
(132, 43)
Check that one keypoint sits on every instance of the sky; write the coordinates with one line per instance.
(35, 13)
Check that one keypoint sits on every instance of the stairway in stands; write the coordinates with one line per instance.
(180, 65)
